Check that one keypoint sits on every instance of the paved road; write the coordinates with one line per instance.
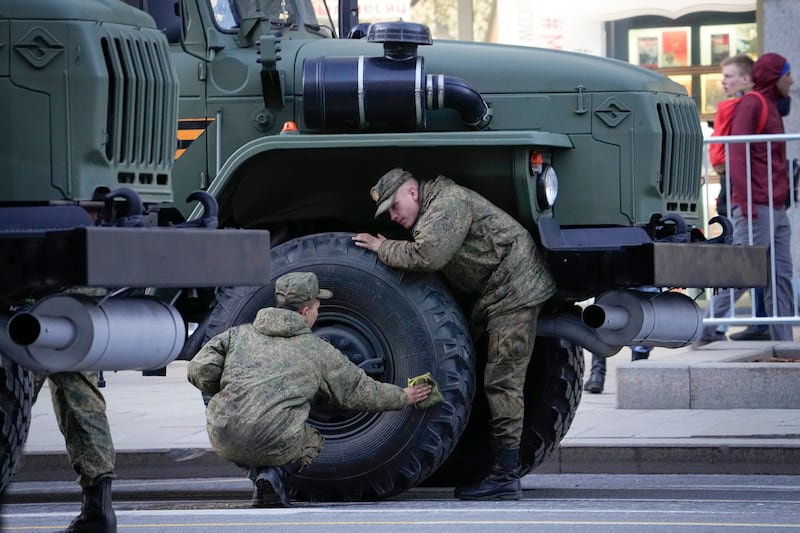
(561, 503)
(158, 424)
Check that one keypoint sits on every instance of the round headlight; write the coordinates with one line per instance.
(547, 188)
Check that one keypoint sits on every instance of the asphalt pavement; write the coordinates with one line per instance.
(158, 426)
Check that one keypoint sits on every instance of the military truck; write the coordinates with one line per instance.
(99, 271)
(287, 120)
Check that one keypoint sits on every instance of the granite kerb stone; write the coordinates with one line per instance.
(723, 375)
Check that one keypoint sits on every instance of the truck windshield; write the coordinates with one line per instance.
(229, 13)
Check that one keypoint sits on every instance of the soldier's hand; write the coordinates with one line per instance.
(417, 393)
(370, 242)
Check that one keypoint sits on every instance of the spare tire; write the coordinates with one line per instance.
(16, 397)
(395, 325)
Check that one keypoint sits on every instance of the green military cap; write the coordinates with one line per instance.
(299, 287)
(383, 191)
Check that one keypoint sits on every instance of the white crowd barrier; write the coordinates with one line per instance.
(744, 313)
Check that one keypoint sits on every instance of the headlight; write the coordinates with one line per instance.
(546, 188)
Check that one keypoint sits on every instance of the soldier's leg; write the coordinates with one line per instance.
(38, 382)
(269, 481)
(509, 351)
(80, 411)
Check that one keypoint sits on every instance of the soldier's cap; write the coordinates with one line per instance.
(299, 287)
(383, 192)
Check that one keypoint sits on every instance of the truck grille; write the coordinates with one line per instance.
(142, 111)
(681, 153)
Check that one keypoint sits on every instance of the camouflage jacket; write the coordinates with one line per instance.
(262, 378)
(480, 249)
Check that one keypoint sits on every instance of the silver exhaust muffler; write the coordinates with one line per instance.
(70, 333)
(626, 318)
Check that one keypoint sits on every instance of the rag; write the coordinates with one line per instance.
(435, 395)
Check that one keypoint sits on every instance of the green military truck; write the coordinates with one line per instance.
(287, 121)
(599, 159)
(99, 271)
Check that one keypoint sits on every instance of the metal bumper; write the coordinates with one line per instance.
(709, 265)
(135, 257)
(587, 260)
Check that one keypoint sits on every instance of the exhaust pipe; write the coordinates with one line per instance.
(70, 333)
(666, 319)
(571, 328)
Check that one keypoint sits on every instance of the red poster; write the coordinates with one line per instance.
(675, 46)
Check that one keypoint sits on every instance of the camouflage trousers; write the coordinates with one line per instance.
(310, 447)
(80, 411)
(509, 350)
(300, 446)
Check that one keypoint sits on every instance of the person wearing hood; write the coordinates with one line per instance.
(760, 188)
(737, 79)
(262, 378)
(488, 256)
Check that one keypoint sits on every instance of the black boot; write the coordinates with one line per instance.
(597, 377)
(270, 483)
(502, 482)
(752, 333)
(262, 498)
(97, 515)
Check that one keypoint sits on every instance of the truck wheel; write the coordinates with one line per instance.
(16, 396)
(395, 325)
(553, 389)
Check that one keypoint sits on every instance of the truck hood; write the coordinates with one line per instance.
(503, 69)
(89, 10)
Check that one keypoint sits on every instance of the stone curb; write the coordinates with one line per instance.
(721, 375)
(610, 458)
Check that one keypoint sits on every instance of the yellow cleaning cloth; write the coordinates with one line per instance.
(435, 396)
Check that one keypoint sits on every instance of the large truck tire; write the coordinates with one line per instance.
(16, 398)
(396, 325)
(553, 388)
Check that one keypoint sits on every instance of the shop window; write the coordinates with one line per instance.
(725, 40)
(688, 50)
(660, 47)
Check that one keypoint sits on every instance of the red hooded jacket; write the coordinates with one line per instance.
(766, 73)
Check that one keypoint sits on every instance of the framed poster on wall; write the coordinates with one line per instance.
(660, 47)
(711, 93)
(644, 47)
(685, 80)
(720, 47)
(720, 41)
(675, 48)
(647, 48)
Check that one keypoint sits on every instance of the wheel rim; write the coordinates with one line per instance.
(363, 344)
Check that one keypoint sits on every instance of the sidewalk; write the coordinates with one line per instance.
(606, 439)
(158, 425)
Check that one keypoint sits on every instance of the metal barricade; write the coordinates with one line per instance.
(742, 315)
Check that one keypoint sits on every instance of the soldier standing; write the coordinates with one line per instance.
(484, 252)
(80, 411)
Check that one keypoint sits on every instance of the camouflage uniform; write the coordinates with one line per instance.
(80, 411)
(485, 253)
(262, 378)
